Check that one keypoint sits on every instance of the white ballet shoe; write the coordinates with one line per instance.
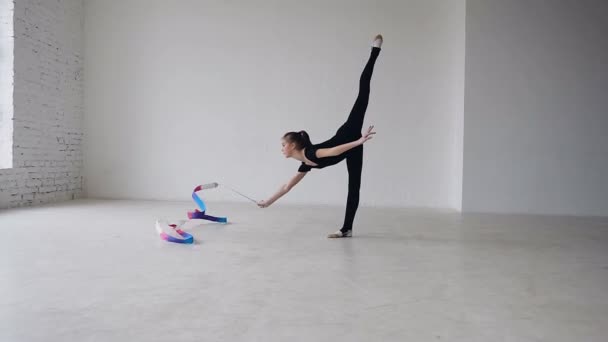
(378, 41)
(340, 234)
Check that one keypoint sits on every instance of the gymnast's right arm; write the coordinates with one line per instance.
(283, 190)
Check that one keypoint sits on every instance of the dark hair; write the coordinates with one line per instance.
(300, 138)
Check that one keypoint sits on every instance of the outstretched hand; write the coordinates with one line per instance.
(263, 204)
(367, 135)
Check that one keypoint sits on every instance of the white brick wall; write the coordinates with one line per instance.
(6, 83)
(48, 104)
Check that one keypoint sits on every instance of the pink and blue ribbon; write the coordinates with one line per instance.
(186, 238)
(198, 213)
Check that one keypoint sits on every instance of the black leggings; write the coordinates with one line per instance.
(351, 131)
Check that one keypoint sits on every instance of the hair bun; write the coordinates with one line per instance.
(301, 138)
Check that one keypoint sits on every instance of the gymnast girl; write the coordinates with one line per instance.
(346, 144)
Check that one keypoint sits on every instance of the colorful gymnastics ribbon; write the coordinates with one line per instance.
(163, 226)
(200, 214)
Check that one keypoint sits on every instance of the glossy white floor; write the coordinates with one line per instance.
(96, 271)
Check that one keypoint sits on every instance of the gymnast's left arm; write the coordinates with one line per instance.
(338, 150)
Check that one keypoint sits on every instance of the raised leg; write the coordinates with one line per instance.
(354, 124)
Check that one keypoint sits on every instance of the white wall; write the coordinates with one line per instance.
(47, 100)
(536, 107)
(179, 93)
